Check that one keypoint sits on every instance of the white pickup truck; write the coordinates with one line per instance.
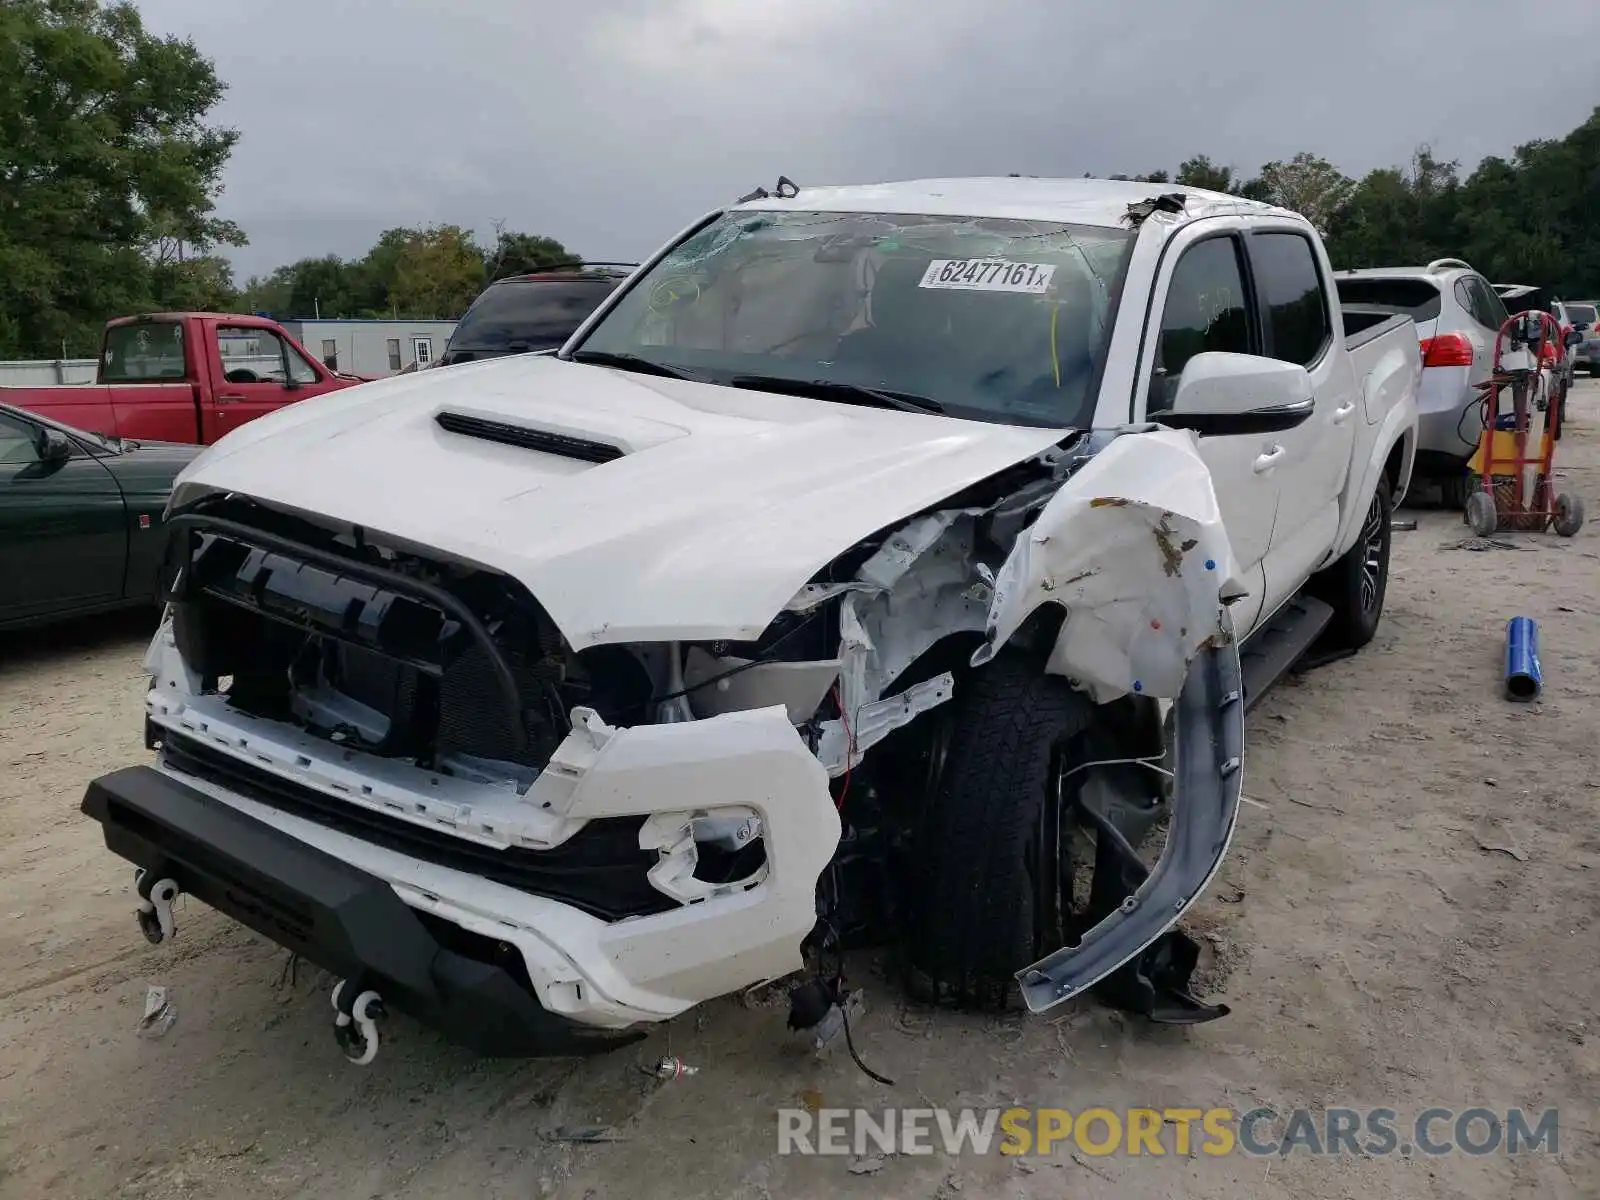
(877, 562)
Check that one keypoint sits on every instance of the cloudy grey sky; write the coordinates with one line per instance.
(611, 124)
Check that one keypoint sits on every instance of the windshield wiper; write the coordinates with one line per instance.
(829, 389)
(633, 362)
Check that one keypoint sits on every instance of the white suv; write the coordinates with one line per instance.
(1458, 315)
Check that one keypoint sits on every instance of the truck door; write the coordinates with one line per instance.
(1203, 306)
(1291, 286)
(254, 370)
(63, 534)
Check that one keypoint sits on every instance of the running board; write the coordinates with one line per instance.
(1274, 649)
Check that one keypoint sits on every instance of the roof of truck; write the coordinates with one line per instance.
(1025, 197)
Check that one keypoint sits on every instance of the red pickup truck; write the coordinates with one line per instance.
(184, 377)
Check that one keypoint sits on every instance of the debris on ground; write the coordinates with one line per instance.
(828, 1032)
(1480, 544)
(870, 1165)
(584, 1135)
(1510, 851)
(160, 1011)
(674, 1068)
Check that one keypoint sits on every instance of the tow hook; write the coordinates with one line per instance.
(155, 906)
(355, 1021)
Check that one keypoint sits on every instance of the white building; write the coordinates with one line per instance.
(372, 348)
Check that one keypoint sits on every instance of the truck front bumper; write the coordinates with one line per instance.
(495, 875)
(327, 911)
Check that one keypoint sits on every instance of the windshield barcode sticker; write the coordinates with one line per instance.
(988, 275)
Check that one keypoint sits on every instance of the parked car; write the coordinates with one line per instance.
(185, 377)
(533, 312)
(81, 527)
(848, 570)
(1458, 315)
(1585, 317)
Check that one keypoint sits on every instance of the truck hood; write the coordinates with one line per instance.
(716, 506)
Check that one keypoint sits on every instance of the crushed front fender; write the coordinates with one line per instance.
(1209, 760)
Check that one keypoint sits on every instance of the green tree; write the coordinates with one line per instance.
(1399, 215)
(1201, 172)
(1309, 185)
(519, 253)
(106, 160)
(437, 274)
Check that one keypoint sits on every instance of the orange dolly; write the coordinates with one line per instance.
(1515, 458)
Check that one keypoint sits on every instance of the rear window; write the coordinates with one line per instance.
(528, 315)
(1414, 298)
(1581, 314)
(143, 352)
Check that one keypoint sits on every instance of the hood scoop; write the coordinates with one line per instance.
(563, 445)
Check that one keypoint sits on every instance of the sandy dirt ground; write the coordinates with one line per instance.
(1407, 919)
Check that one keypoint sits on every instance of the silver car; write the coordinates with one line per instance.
(1458, 315)
(1585, 315)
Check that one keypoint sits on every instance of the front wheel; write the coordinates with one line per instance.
(990, 871)
(1356, 585)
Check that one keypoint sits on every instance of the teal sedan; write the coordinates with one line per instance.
(80, 519)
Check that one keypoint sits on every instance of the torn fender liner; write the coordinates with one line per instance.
(1210, 759)
(1133, 548)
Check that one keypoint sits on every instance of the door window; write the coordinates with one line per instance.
(260, 356)
(422, 351)
(1205, 311)
(1292, 296)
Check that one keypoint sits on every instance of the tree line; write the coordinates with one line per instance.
(110, 173)
(1532, 218)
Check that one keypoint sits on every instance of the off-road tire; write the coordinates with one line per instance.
(1355, 585)
(971, 920)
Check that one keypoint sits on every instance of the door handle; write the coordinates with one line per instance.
(230, 398)
(1267, 461)
(1342, 414)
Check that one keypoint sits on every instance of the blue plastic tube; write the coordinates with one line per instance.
(1524, 680)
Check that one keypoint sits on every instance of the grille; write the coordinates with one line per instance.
(600, 870)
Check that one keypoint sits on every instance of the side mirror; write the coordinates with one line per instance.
(1574, 337)
(292, 384)
(1222, 394)
(54, 446)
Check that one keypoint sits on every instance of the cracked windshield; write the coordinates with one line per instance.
(996, 320)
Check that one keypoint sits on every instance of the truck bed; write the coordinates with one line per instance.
(1365, 323)
(1386, 356)
(166, 411)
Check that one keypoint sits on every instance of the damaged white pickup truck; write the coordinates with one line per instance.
(885, 562)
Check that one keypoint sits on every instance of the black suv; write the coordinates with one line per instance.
(537, 311)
